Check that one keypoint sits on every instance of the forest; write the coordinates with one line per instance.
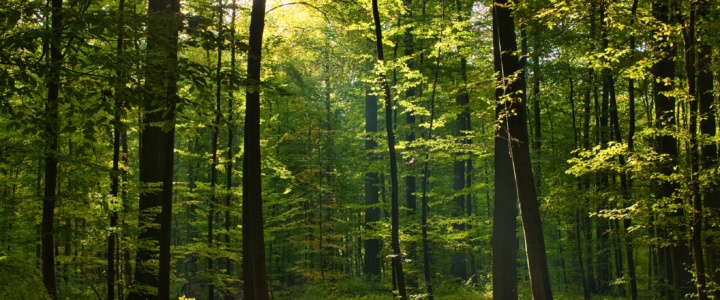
(359, 149)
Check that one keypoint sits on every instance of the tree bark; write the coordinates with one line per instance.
(52, 126)
(214, 148)
(504, 236)
(372, 182)
(631, 148)
(410, 180)
(511, 110)
(664, 69)
(230, 146)
(394, 187)
(459, 268)
(254, 269)
(115, 173)
(710, 194)
(157, 139)
(688, 32)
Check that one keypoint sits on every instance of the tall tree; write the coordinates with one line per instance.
(511, 113)
(505, 202)
(663, 71)
(52, 131)
(214, 146)
(230, 143)
(426, 175)
(372, 182)
(707, 113)
(115, 172)
(410, 179)
(395, 209)
(254, 269)
(627, 222)
(157, 143)
(461, 164)
(696, 219)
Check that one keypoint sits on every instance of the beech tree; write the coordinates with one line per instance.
(254, 272)
(52, 124)
(512, 149)
(157, 144)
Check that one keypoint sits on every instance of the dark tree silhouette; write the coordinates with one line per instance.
(254, 269)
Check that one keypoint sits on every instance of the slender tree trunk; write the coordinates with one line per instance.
(115, 173)
(426, 175)
(711, 195)
(214, 148)
(52, 126)
(459, 268)
(410, 178)
(688, 31)
(254, 270)
(603, 228)
(627, 223)
(505, 203)
(230, 146)
(127, 269)
(537, 138)
(394, 187)
(157, 139)
(504, 240)
(585, 220)
(624, 186)
(372, 182)
(578, 220)
(664, 69)
(511, 110)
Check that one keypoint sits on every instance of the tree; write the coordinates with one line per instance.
(511, 114)
(157, 143)
(52, 130)
(253, 249)
(707, 113)
(372, 181)
(115, 172)
(395, 210)
(462, 166)
(664, 69)
(688, 33)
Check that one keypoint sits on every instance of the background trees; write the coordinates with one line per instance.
(622, 103)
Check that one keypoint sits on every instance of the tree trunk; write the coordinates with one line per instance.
(459, 268)
(254, 269)
(115, 173)
(537, 125)
(395, 210)
(372, 182)
(511, 110)
(214, 148)
(664, 68)
(157, 139)
(460, 171)
(504, 240)
(688, 31)
(52, 126)
(711, 196)
(631, 147)
(426, 175)
(230, 146)
(410, 180)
